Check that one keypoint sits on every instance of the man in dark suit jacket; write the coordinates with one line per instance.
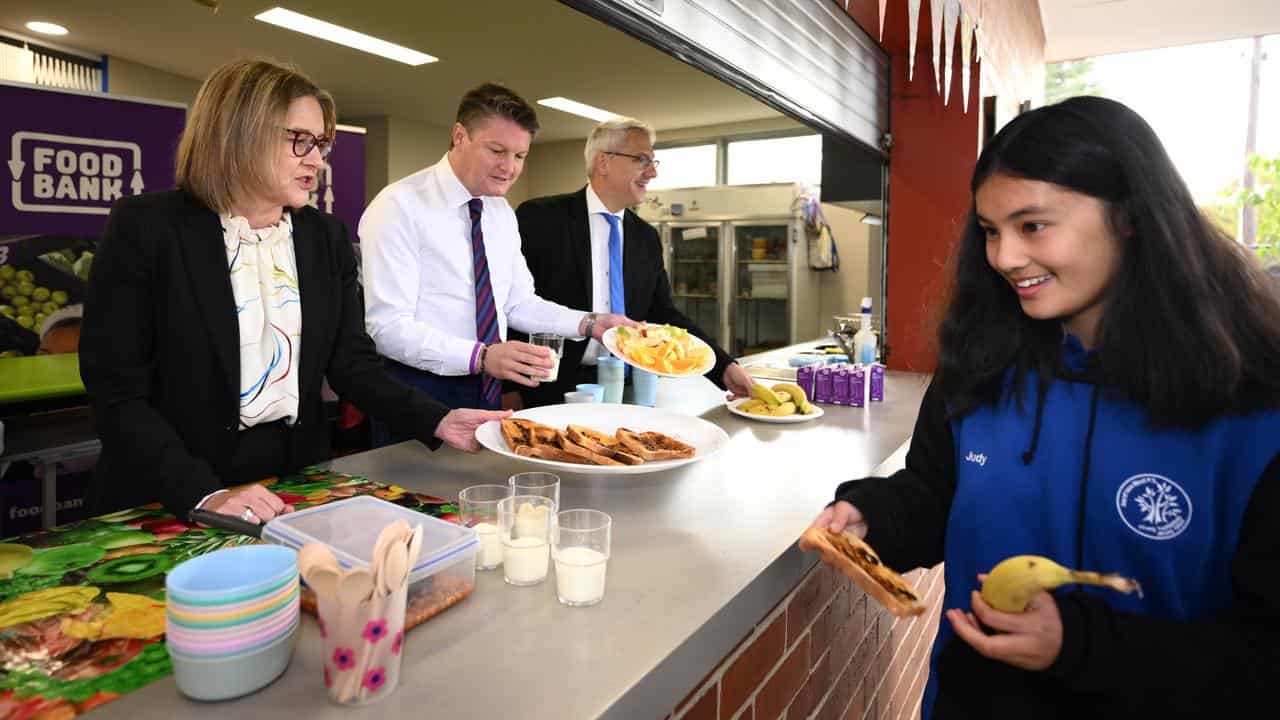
(576, 244)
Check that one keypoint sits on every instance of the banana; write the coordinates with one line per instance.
(783, 395)
(1012, 583)
(797, 396)
(760, 409)
(752, 406)
(764, 394)
(786, 408)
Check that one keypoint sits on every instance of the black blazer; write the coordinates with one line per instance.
(159, 352)
(556, 239)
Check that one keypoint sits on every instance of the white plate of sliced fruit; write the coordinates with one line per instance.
(783, 403)
(663, 350)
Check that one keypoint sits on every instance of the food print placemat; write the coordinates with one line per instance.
(82, 606)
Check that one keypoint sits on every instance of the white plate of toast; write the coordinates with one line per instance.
(603, 438)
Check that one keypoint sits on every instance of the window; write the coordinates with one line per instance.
(692, 166)
(773, 160)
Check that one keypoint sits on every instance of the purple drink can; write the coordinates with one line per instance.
(857, 386)
(877, 383)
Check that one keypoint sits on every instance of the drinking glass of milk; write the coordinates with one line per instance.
(524, 527)
(537, 483)
(580, 546)
(478, 510)
(556, 343)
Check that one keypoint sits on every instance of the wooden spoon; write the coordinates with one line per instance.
(415, 546)
(312, 556)
(390, 534)
(397, 567)
(324, 582)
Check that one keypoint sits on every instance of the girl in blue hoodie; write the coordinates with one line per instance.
(1107, 395)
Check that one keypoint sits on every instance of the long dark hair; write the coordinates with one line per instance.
(1191, 329)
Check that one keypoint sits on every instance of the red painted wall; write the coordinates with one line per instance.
(933, 154)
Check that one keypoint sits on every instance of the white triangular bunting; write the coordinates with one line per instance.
(935, 16)
(966, 49)
(950, 17)
(978, 31)
(883, 4)
(913, 31)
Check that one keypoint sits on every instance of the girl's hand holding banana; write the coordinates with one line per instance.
(1030, 640)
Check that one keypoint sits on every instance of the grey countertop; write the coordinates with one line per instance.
(700, 554)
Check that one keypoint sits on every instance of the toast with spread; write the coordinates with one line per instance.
(587, 446)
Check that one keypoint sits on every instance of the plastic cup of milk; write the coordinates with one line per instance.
(537, 483)
(478, 510)
(580, 547)
(524, 527)
(556, 343)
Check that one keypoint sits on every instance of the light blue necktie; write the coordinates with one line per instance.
(617, 295)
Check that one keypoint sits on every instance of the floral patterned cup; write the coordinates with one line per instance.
(362, 646)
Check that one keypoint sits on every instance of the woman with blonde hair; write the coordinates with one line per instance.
(215, 311)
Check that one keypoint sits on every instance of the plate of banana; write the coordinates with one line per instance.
(780, 403)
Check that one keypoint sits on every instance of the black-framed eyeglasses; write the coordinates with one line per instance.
(644, 160)
(304, 141)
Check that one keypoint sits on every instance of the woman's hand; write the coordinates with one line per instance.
(1030, 640)
(264, 503)
(458, 428)
(840, 517)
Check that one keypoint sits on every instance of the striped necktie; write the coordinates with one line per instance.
(486, 309)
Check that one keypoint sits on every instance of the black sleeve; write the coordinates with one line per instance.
(1173, 666)
(356, 373)
(117, 363)
(663, 311)
(906, 513)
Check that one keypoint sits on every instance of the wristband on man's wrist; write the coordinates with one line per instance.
(591, 325)
(484, 351)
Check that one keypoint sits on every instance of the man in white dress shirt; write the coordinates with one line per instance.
(444, 278)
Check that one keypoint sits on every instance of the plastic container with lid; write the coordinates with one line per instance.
(444, 573)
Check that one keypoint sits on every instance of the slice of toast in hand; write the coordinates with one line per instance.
(857, 561)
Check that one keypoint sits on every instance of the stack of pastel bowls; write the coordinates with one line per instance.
(232, 620)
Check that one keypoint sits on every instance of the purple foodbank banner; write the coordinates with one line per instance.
(71, 155)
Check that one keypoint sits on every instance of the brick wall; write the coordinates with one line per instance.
(828, 652)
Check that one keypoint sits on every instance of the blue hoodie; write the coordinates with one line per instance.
(1079, 477)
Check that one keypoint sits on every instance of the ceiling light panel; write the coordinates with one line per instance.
(306, 25)
(46, 28)
(574, 107)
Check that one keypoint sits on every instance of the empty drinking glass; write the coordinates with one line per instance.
(537, 483)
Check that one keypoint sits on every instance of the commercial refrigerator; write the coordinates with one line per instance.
(738, 263)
